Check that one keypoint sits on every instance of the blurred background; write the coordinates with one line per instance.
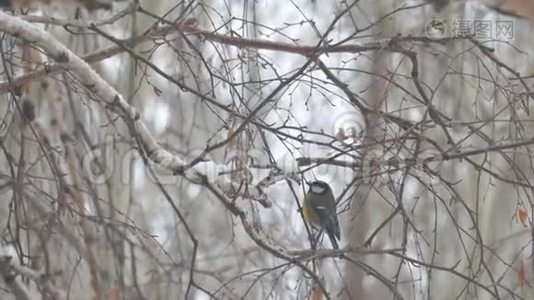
(417, 113)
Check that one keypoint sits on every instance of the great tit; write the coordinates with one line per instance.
(319, 210)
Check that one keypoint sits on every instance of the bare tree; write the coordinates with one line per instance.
(159, 149)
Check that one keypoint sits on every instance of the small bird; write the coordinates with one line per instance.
(319, 210)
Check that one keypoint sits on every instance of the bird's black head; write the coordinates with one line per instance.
(319, 187)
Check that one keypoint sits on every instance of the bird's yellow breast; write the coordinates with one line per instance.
(310, 216)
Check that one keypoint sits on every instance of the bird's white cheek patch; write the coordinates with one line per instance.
(317, 189)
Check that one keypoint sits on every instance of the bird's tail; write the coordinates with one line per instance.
(333, 239)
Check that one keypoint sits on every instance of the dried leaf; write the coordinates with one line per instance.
(521, 274)
(316, 292)
(522, 216)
